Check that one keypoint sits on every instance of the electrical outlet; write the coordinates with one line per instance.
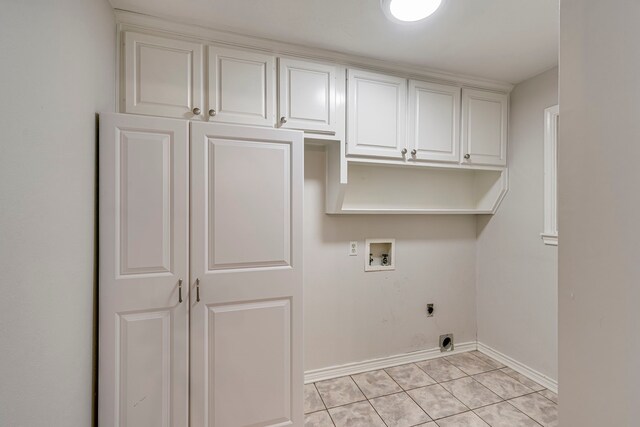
(353, 248)
(430, 310)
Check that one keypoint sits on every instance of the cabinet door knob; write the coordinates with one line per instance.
(414, 152)
(467, 156)
(196, 111)
(179, 290)
(283, 120)
(212, 112)
(404, 151)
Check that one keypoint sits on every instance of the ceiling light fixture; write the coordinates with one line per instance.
(409, 10)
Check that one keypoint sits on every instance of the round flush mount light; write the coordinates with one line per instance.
(409, 10)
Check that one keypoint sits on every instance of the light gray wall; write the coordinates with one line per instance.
(57, 72)
(350, 315)
(516, 272)
(599, 201)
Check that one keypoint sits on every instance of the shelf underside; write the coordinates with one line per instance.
(377, 189)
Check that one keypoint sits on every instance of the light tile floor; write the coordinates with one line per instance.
(462, 390)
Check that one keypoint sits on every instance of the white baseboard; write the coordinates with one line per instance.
(383, 362)
(416, 356)
(528, 372)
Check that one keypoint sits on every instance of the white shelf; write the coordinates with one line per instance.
(392, 188)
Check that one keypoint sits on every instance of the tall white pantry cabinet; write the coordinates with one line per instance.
(200, 274)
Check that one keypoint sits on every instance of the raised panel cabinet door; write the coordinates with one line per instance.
(143, 283)
(241, 87)
(434, 121)
(163, 77)
(376, 118)
(246, 281)
(484, 127)
(307, 98)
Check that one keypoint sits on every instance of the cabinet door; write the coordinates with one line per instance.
(246, 260)
(163, 77)
(434, 120)
(307, 96)
(484, 127)
(144, 309)
(241, 87)
(376, 123)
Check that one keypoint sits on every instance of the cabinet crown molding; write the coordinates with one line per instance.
(133, 21)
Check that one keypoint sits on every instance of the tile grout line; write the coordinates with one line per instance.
(473, 357)
(453, 379)
(544, 388)
(525, 394)
(507, 401)
(320, 396)
(533, 391)
(469, 409)
(515, 378)
(455, 415)
(540, 393)
(425, 372)
(502, 400)
(440, 384)
(480, 416)
(405, 391)
(528, 394)
(432, 419)
(411, 397)
(331, 418)
(483, 386)
(368, 400)
(468, 375)
(522, 412)
(344, 404)
(323, 404)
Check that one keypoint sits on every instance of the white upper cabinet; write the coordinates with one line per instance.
(163, 77)
(241, 87)
(376, 114)
(434, 121)
(307, 97)
(484, 127)
(381, 118)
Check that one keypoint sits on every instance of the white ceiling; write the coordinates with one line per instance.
(505, 40)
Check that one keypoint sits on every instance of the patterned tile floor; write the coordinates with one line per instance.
(462, 390)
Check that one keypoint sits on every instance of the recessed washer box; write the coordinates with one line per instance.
(380, 255)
